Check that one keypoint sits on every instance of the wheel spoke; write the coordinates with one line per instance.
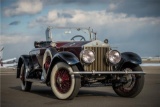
(63, 80)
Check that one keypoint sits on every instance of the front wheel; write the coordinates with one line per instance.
(133, 85)
(63, 84)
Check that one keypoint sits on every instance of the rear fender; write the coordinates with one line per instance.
(23, 59)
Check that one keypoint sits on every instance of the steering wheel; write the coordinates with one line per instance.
(81, 37)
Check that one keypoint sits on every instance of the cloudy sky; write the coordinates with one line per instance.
(130, 25)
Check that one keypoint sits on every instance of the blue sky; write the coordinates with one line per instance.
(130, 25)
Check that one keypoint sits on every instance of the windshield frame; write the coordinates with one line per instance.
(92, 34)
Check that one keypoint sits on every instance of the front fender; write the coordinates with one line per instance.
(67, 57)
(64, 56)
(130, 57)
(23, 59)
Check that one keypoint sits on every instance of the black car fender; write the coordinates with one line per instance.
(64, 56)
(23, 59)
(129, 58)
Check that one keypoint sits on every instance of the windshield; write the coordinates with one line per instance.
(69, 33)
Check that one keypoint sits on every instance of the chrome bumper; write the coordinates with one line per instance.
(107, 72)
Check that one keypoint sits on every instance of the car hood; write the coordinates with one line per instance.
(95, 43)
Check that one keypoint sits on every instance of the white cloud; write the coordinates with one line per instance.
(52, 15)
(114, 24)
(15, 45)
(122, 30)
(5, 39)
(112, 7)
(89, 17)
(24, 7)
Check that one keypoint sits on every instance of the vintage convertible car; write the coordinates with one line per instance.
(68, 65)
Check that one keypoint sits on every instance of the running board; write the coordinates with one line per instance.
(35, 80)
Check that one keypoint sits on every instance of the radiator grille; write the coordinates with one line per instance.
(100, 59)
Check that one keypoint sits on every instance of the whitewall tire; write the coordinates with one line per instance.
(64, 85)
(46, 63)
(25, 85)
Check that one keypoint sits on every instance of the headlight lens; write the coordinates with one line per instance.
(87, 56)
(114, 57)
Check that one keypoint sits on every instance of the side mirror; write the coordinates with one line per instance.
(106, 41)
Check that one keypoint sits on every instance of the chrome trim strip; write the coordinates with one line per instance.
(107, 72)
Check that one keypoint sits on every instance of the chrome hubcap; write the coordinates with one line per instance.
(59, 80)
(130, 80)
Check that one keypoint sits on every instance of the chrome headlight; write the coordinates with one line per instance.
(87, 56)
(114, 57)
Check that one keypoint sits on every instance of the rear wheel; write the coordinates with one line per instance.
(25, 85)
(134, 83)
(63, 84)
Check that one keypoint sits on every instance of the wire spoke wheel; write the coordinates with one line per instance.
(63, 80)
(63, 84)
(131, 78)
(25, 85)
(47, 63)
(47, 57)
(134, 84)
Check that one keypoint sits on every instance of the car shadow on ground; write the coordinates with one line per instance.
(38, 90)
(83, 93)
(47, 92)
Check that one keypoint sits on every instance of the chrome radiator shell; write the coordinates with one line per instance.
(100, 63)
